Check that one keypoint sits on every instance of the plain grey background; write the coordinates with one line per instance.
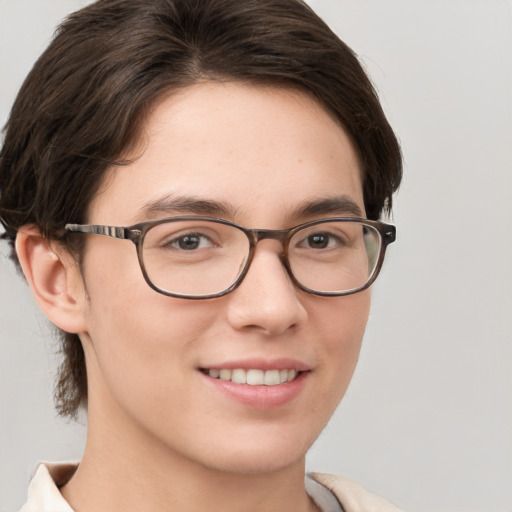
(427, 420)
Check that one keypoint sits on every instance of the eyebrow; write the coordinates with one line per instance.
(339, 205)
(170, 204)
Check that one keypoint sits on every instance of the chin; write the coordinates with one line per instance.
(258, 463)
(259, 454)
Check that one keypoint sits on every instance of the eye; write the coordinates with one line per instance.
(321, 240)
(190, 242)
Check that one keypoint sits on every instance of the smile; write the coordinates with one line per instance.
(253, 377)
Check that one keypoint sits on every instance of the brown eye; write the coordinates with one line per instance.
(321, 240)
(318, 241)
(189, 242)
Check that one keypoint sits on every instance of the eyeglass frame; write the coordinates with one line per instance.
(137, 232)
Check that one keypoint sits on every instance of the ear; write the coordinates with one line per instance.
(54, 278)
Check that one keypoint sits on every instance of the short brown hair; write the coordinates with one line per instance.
(84, 102)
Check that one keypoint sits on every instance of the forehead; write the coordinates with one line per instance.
(252, 149)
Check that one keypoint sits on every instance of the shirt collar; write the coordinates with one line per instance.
(43, 491)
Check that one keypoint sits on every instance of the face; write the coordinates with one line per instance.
(255, 156)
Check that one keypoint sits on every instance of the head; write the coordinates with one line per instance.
(84, 132)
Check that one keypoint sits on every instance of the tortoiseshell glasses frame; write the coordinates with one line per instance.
(185, 243)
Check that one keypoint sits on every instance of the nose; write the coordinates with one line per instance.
(267, 300)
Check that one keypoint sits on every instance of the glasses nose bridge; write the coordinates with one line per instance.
(257, 235)
(281, 235)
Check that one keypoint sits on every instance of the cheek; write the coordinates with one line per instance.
(141, 328)
(122, 304)
(342, 319)
(342, 322)
(136, 335)
(140, 360)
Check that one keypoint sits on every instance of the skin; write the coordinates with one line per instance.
(159, 437)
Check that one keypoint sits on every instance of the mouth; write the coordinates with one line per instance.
(258, 383)
(253, 376)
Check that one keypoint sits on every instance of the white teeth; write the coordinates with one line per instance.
(225, 374)
(254, 377)
(272, 377)
(238, 376)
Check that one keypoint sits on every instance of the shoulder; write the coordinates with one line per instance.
(353, 496)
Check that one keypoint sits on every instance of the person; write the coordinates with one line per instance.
(240, 148)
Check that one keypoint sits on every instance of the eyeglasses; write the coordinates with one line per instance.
(201, 258)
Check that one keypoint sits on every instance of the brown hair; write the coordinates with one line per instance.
(82, 105)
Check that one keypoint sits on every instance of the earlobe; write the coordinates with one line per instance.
(54, 278)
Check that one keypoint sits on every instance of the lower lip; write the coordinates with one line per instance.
(260, 397)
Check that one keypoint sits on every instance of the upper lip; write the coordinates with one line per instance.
(283, 363)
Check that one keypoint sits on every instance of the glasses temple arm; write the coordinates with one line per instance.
(111, 231)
